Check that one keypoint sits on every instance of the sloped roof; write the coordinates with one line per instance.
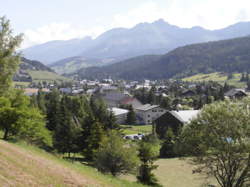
(147, 107)
(185, 116)
(118, 111)
(233, 92)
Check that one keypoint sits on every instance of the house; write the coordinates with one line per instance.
(188, 93)
(235, 94)
(106, 88)
(77, 91)
(146, 114)
(90, 91)
(65, 90)
(115, 98)
(135, 103)
(120, 114)
(174, 120)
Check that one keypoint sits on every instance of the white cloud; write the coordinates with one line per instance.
(210, 14)
(57, 31)
(147, 12)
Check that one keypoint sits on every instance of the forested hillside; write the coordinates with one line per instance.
(27, 64)
(221, 56)
(31, 70)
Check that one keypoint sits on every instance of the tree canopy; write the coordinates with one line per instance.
(219, 140)
(9, 58)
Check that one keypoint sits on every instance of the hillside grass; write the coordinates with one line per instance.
(217, 77)
(24, 165)
(21, 84)
(135, 129)
(38, 76)
(177, 173)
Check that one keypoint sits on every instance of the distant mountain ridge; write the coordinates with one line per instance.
(231, 55)
(158, 37)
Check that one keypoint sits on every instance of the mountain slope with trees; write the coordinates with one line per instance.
(30, 70)
(72, 64)
(221, 56)
(27, 64)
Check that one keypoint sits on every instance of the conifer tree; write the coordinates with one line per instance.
(53, 109)
(93, 141)
(65, 131)
(148, 153)
(131, 118)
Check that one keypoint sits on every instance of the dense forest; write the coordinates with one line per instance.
(221, 56)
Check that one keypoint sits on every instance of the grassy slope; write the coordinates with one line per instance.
(218, 77)
(46, 76)
(22, 84)
(22, 165)
(177, 173)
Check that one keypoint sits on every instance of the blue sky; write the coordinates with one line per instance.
(45, 20)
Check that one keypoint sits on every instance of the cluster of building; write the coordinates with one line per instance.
(118, 94)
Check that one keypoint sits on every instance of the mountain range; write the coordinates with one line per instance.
(119, 44)
(228, 56)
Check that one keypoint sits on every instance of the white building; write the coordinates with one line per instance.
(120, 114)
(146, 114)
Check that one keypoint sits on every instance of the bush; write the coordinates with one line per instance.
(115, 156)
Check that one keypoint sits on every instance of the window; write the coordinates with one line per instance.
(149, 116)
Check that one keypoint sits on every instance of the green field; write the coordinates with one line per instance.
(22, 84)
(135, 129)
(177, 173)
(218, 77)
(38, 76)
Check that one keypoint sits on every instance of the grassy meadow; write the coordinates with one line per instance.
(135, 129)
(38, 76)
(177, 173)
(218, 77)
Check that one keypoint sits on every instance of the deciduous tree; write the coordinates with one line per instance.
(219, 140)
(9, 58)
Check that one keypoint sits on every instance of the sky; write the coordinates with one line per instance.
(45, 20)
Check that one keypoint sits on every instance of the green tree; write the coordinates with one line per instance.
(18, 119)
(53, 109)
(243, 78)
(248, 85)
(33, 128)
(151, 95)
(219, 140)
(167, 149)
(148, 153)
(65, 133)
(9, 59)
(116, 157)
(94, 140)
(166, 103)
(41, 101)
(131, 118)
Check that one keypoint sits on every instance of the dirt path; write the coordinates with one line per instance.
(21, 167)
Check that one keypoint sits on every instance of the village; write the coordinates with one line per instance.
(161, 104)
